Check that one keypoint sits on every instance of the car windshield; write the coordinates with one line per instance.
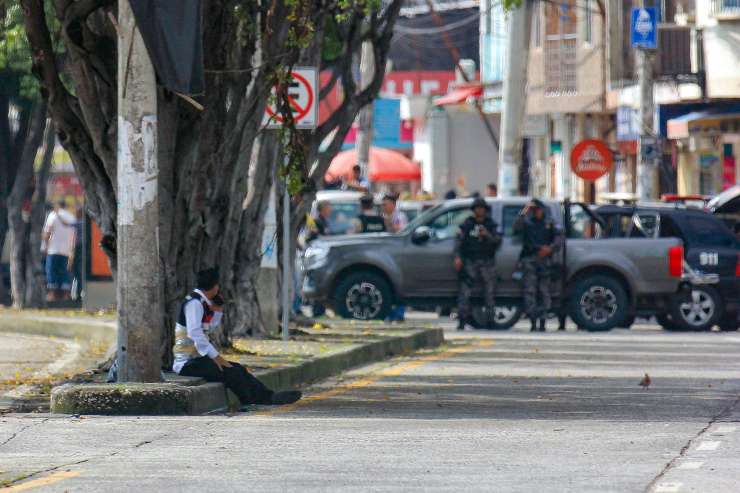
(421, 219)
(342, 214)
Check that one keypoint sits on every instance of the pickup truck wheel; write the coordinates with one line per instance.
(598, 303)
(700, 312)
(505, 317)
(363, 296)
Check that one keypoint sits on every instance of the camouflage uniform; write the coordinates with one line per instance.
(536, 280)
(477, 251)
(476, 271)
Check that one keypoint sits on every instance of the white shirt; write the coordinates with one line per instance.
(399, 220)
(62, 240)
(194, 320)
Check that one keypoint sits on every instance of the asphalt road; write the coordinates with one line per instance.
(505, 412)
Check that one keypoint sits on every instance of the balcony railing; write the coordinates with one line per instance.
(561, 68)
(724, 9)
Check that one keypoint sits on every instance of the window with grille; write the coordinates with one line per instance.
(560, 48)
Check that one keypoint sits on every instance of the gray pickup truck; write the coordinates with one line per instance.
(605, 281)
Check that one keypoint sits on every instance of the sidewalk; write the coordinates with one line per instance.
(39, 349)
(74, 338)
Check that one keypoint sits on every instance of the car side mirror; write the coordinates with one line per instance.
(422, 234)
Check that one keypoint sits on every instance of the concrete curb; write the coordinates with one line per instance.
(189, 397)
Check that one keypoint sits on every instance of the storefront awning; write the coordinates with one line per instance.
(700, 121)
(459, 95)
(385, 165)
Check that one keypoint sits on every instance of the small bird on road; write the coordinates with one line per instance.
(645, 382)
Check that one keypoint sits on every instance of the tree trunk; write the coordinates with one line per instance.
(244, 311)
(35, 273)
(18, 195)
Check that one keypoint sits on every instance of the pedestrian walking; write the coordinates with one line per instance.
(195, 356)
(369, 221)
(58, 244)
(541, 238)
(395, 221)
(475, 260)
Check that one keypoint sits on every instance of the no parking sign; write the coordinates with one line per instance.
(303, 99)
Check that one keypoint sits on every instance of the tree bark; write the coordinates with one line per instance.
(18, 195)
(35, 273)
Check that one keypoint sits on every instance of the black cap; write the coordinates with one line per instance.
(538, 203)
(207, 279)
(479, 202)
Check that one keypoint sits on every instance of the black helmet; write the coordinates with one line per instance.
(539, 204)
(479, 202)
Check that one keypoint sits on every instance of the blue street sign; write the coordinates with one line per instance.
(644, 27)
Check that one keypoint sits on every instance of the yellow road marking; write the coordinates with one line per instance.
(36, 483)
(367, 381)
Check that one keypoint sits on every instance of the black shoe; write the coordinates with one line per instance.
(286, 397)
(542, 325)
(461, 324)
(533, 326)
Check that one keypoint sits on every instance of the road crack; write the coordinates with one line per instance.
(682, 453)
(43, 471)
(23, 429)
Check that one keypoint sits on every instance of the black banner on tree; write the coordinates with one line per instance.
(172, 35)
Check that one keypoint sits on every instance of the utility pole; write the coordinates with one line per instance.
(365, 134)
(647, 155)
(138, 287)
(514, 95)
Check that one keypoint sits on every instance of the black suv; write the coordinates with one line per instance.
(711, 261)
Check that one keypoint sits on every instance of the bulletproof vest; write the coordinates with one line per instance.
(537, 234)
(372, 224)
(472, 245)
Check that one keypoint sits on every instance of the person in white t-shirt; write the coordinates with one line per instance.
(59, 245)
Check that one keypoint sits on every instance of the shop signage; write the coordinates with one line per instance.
(591, 159)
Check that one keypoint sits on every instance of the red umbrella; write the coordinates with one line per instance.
(385, 165)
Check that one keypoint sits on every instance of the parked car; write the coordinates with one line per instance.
(712, 261)
(605, 280)
(345, 206)
(726, 206)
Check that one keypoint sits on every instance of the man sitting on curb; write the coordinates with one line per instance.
(195, 356)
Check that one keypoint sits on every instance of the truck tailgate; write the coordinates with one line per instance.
(642, 261)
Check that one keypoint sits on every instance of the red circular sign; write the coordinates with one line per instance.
(299, 110)
(591, 159)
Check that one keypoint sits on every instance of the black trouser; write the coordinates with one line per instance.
(237, 378)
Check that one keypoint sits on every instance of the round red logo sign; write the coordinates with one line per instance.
(591, 159)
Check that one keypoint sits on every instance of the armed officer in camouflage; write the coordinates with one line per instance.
(541, 239)
(475, 260)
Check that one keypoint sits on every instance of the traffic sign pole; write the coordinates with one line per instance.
(286, 253)
(644, 38)
(303, 99)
